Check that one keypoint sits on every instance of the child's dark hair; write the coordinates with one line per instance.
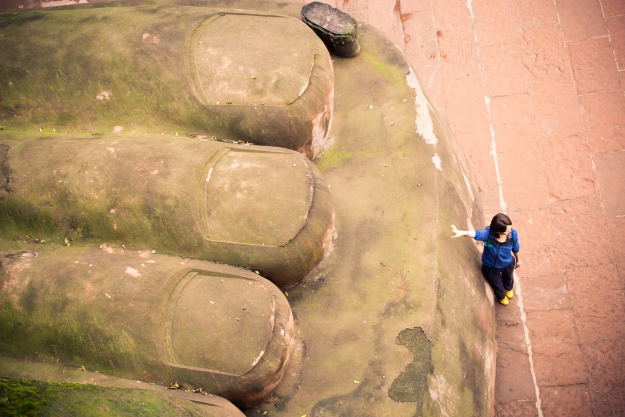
(499, 224)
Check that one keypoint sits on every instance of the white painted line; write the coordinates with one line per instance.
(528, 343)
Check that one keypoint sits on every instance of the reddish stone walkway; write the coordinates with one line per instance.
(534, 90)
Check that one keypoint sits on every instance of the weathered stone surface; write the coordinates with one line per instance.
(580, 19)
(477, 145)
(503, 70)
(555, 348)
(556, 108)
(514, 376)
(616, 27)
(544, 53)
(611, 187)
(516, 383)
(137, 72)
(568, 167)
(593, 65)
(579, 224)
(458, 54)
(521, 408)
(494, 22)
(267, 76)
(573, 401)
(511, 117)
(545, 292)
(616, 224)
(515, 168)
(421, 48)
(535, 13)
(131, 392)
(465, 104)
(602, 113)
(451, 14)
(148, 316)
(598, 302)
(263, 208)
(612, 7)
(606, 379)
(539, 243)
(24, 397)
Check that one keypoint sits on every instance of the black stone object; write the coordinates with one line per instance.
(336, 29)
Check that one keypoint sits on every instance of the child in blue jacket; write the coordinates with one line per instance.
(501, 254)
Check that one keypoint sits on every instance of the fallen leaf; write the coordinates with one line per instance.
(109, 297)
(212, 302)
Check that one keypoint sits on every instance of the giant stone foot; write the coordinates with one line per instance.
(267, 209)
(397, 322)
(149, 316)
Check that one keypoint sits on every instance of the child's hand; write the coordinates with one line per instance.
(457, 232)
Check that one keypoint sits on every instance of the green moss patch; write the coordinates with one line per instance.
(23, 398)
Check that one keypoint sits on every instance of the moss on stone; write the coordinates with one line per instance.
(25, 398)
(412, 384)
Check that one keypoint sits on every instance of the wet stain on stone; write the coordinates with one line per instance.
(412, 384)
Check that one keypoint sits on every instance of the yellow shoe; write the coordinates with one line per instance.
(509, 294)
(504, 301)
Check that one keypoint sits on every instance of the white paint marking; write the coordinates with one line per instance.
(437, 162)
(425, 127)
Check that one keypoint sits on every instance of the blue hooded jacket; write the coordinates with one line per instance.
(497, 254)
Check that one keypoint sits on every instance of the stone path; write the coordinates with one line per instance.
(534, 90)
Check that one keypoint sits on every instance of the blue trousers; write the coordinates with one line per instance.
(500, 279)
